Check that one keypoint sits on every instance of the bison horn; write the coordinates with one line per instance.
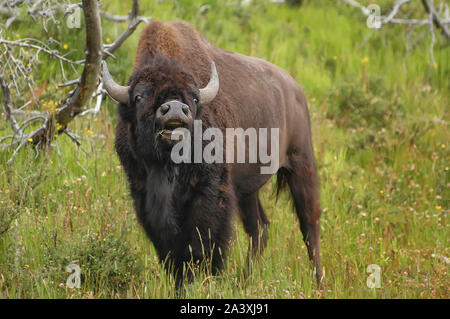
(116, 91)
(209, 92)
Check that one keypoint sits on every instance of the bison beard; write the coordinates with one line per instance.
(186, 209)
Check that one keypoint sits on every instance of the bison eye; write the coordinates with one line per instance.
(137, 98)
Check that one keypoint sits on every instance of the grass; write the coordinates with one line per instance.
(379, 120)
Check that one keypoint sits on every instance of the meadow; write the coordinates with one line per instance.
(379, 119)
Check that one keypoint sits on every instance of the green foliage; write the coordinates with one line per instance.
(107, 263)
(355, 105)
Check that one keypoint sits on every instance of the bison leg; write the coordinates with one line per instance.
(204, 234)
(255, 224)
(303, 184)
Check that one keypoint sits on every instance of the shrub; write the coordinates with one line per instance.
(105, 262)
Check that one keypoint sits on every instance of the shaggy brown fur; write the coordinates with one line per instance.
(253, 93)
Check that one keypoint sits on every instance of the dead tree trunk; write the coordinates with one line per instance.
(89, 79)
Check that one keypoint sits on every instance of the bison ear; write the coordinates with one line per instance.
(116, 91)
(209, 92)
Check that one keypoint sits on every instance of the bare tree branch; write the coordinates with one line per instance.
(390, 18)
(435, 17)
(433, 38)
(433, 20)
(53, 53)
(30, 138)
(35, 7)
(69, 83)
(133, 15)
(89, 79)
(394, 11)
(134, 21)
(16, 52)
(8, 107)
(114, 18)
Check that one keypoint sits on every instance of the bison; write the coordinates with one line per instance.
(186, 208)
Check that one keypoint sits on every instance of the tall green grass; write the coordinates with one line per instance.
(379, 121)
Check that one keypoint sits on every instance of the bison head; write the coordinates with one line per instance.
(161, 96)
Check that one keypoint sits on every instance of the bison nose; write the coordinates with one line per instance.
(165, 108)
(174, 110)
(185, 109)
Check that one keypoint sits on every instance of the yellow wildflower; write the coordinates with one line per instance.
(30, 140)
(365, 60)
(65, 46)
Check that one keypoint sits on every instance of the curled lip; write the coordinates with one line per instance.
(169, 127)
